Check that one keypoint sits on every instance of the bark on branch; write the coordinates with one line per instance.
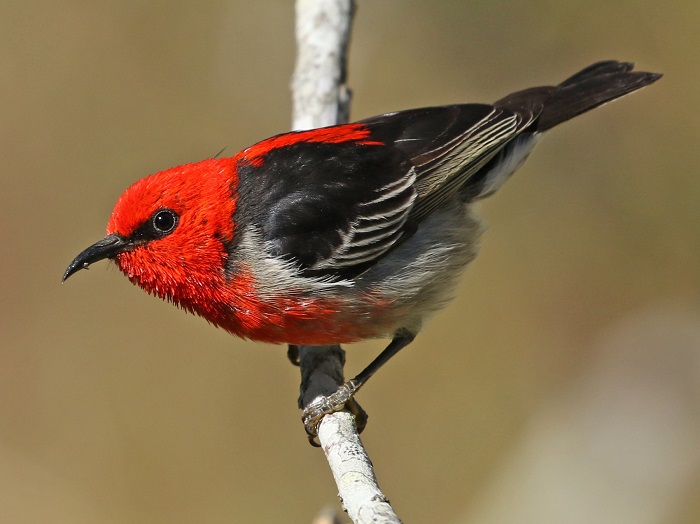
(321, 98)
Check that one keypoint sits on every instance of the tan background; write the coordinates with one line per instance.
(115, 407)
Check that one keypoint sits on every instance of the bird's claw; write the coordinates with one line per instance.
(322, 406)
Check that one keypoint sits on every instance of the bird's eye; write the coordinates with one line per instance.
(164, 221)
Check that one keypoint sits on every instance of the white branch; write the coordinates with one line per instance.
(319, 93)
(321, 98)
(353, 472)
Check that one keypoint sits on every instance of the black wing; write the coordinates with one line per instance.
(334, 208)
(448, 145)
(330, 208)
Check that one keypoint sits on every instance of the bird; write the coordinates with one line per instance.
(343, 233)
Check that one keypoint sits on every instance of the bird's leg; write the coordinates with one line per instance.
(321, 375)
(343, 397)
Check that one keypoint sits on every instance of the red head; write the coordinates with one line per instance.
(168, 231)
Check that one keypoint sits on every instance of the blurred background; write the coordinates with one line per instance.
(562, 385)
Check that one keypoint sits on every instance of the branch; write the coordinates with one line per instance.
(319, 92)
(321, 98)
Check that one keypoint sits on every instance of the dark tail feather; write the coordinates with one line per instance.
(605, 67)
(589, 88)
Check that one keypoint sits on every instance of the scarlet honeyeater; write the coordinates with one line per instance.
(343, 233)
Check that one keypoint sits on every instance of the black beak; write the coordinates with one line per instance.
(109, 247)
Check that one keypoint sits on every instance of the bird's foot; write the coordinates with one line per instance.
(325, 405)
